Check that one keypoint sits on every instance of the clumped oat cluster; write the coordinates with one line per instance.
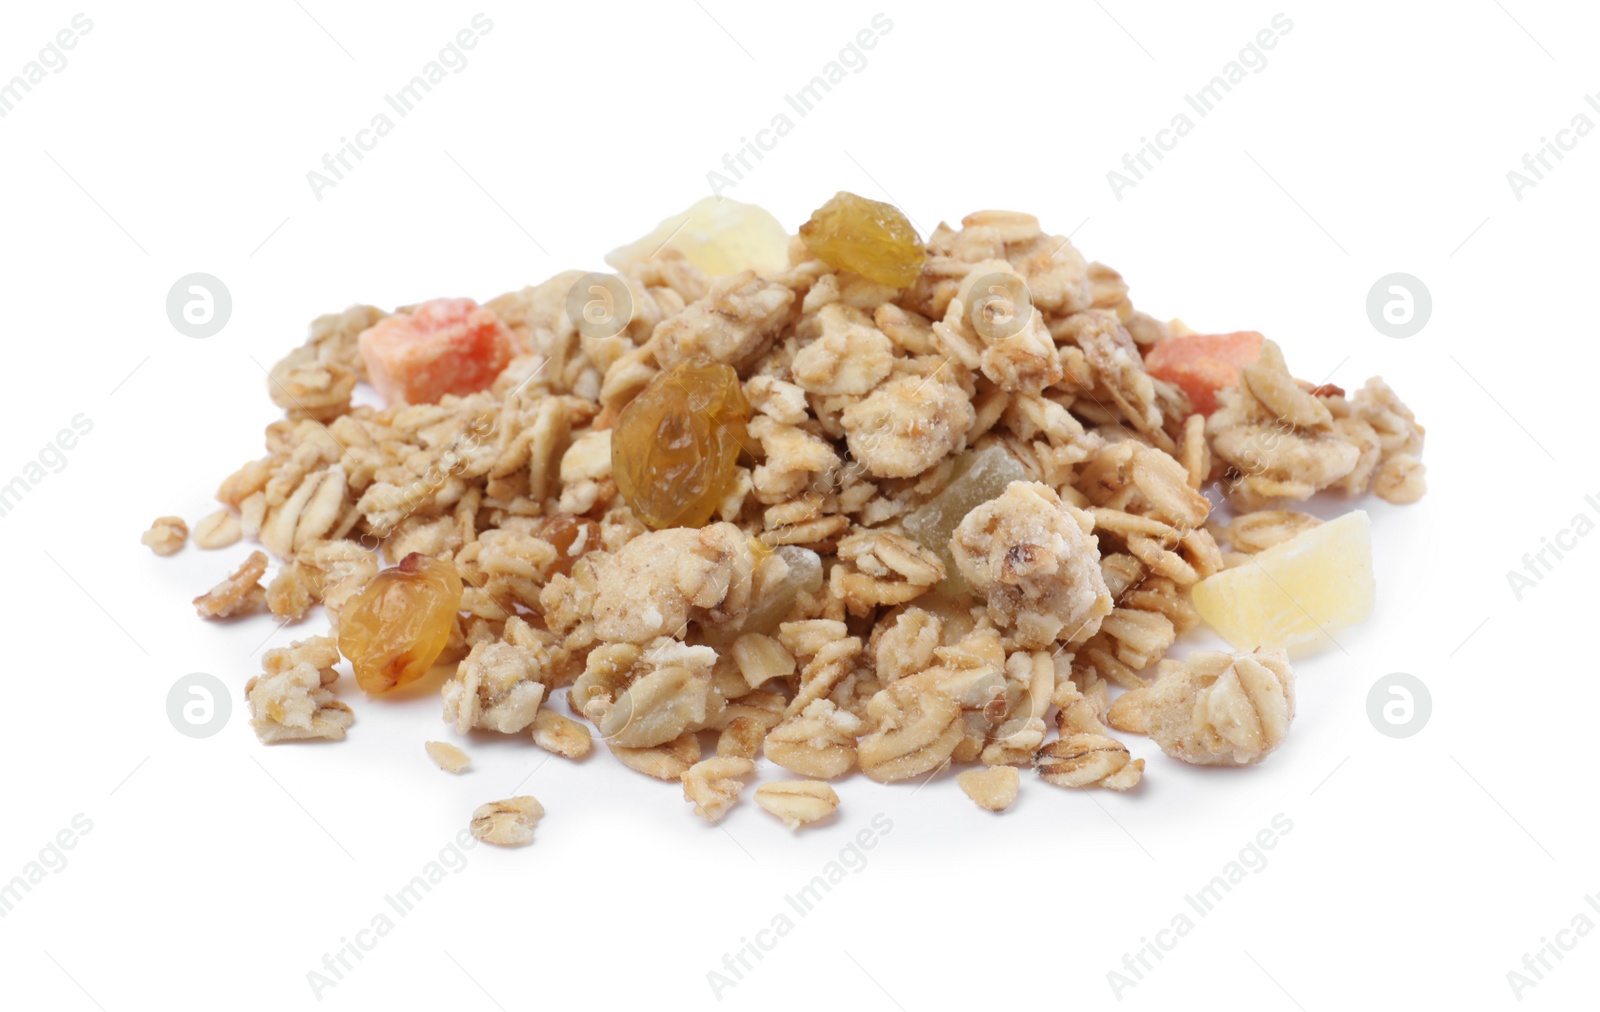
(951, 500)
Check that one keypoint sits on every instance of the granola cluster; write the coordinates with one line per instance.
(963, 515)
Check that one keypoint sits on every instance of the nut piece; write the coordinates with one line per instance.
(714, 785)
(1032, 558)
(239, 594)
(562, 735)
(166, 535)
(1217, 709)
(496, 688)
(447, 756)
(507, 823)
(290, 701)
(994, 788)
(797, 802)
(1088, 760)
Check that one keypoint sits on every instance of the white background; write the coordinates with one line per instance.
(1377, 139)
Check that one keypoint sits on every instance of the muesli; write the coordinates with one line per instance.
(902, 504)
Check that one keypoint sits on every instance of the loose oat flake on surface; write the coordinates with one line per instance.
(853, 500)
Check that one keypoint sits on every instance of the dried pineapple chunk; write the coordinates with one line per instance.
(1297, 594)
(717, 235)
(980, 476)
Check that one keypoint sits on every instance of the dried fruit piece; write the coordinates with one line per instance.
(571, 537)
(1296, 594)
(1203, 364)
(797, 802)
(395, 629)
(871, 238)
(444, 346)
(804, 575)
(507, 823)
(993, 788)
(718, 235)
(977, 478)
(675, 447)
(448, 757)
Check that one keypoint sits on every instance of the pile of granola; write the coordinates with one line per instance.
(962, 513)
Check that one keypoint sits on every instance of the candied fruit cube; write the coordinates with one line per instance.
(979, 477)
(444, 346)
(869, 237)
(675, 447)
(397, 625)
(1203, 364)
(717, 235)
(1297, 594)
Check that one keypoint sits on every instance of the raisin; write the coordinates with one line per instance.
(675, 447)
(571, 536)
(396, 627)
(871, 238)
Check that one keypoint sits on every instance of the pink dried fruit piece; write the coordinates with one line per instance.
(1203, 364)
(444, 346)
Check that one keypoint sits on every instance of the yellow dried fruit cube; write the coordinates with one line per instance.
(719, 236)
(1296, 595)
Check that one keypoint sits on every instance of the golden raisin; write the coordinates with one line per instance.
(571, 537)
(871, 238)
(396, 627)
(675, 447)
